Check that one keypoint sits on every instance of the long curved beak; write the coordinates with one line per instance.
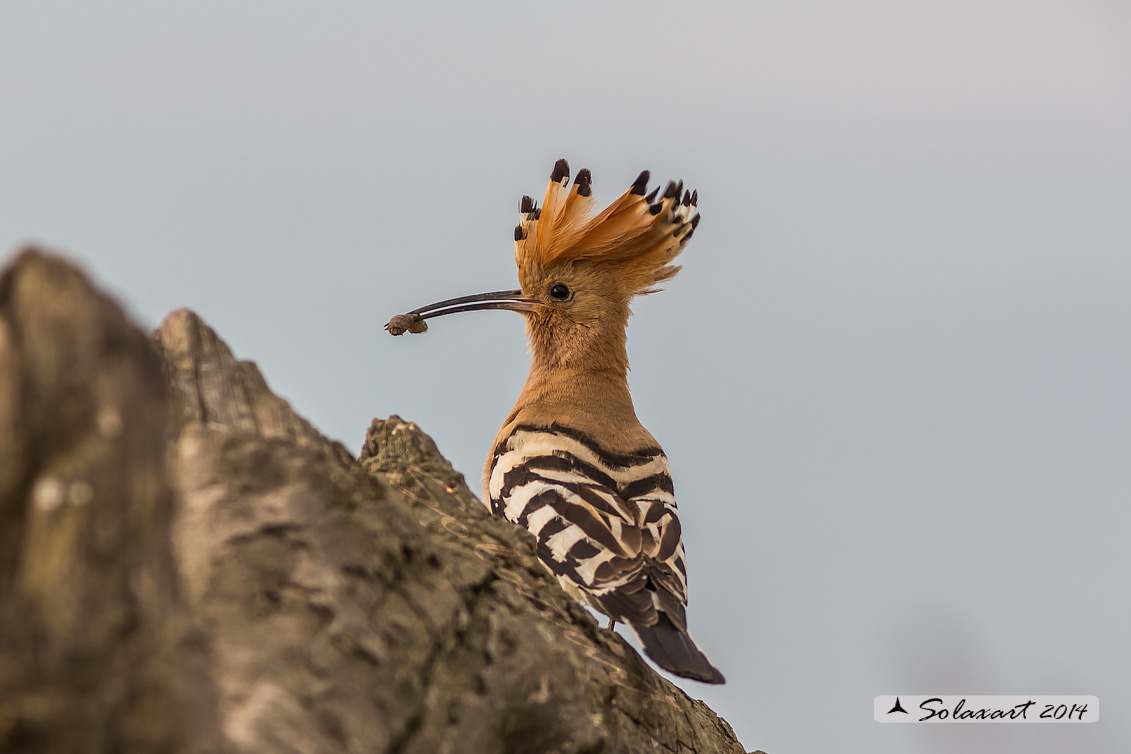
(414, 321)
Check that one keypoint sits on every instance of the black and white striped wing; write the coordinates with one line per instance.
(607, 527)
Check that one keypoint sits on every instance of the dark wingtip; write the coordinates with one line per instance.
(671, 191)
(675, 651)
(518, 234)
(526, 205)
(656, 209)
(652, 195)
(640, 185)
(561, 171)
(584, 182)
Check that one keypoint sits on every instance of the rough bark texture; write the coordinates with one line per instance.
(98, 651)
(187, 565)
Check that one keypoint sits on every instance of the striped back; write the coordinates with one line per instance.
(605, 522)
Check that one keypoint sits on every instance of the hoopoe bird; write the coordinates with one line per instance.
(572, 463)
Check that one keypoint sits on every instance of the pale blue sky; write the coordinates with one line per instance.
(892, 379)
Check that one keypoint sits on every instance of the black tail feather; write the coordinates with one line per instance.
(675, 651)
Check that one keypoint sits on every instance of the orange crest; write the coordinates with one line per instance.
(635, 238)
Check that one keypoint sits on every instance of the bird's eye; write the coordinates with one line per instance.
(560, 291)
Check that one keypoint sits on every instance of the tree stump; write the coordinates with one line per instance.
(187, 565)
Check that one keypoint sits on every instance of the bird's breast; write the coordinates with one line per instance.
(598, 515)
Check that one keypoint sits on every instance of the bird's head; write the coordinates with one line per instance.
(579, 269)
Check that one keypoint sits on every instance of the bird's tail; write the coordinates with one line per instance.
(675, 651)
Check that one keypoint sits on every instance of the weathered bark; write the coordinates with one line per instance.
(229, 579)
(98, 652)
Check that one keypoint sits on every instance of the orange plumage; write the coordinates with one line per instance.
(572, 463)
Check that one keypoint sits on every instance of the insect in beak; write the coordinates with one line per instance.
(414, 321)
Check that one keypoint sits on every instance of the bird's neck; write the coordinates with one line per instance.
(574, 390)
(595, 356)
(575, 365)
(581, 380)
(582, 388)
(596, 347)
